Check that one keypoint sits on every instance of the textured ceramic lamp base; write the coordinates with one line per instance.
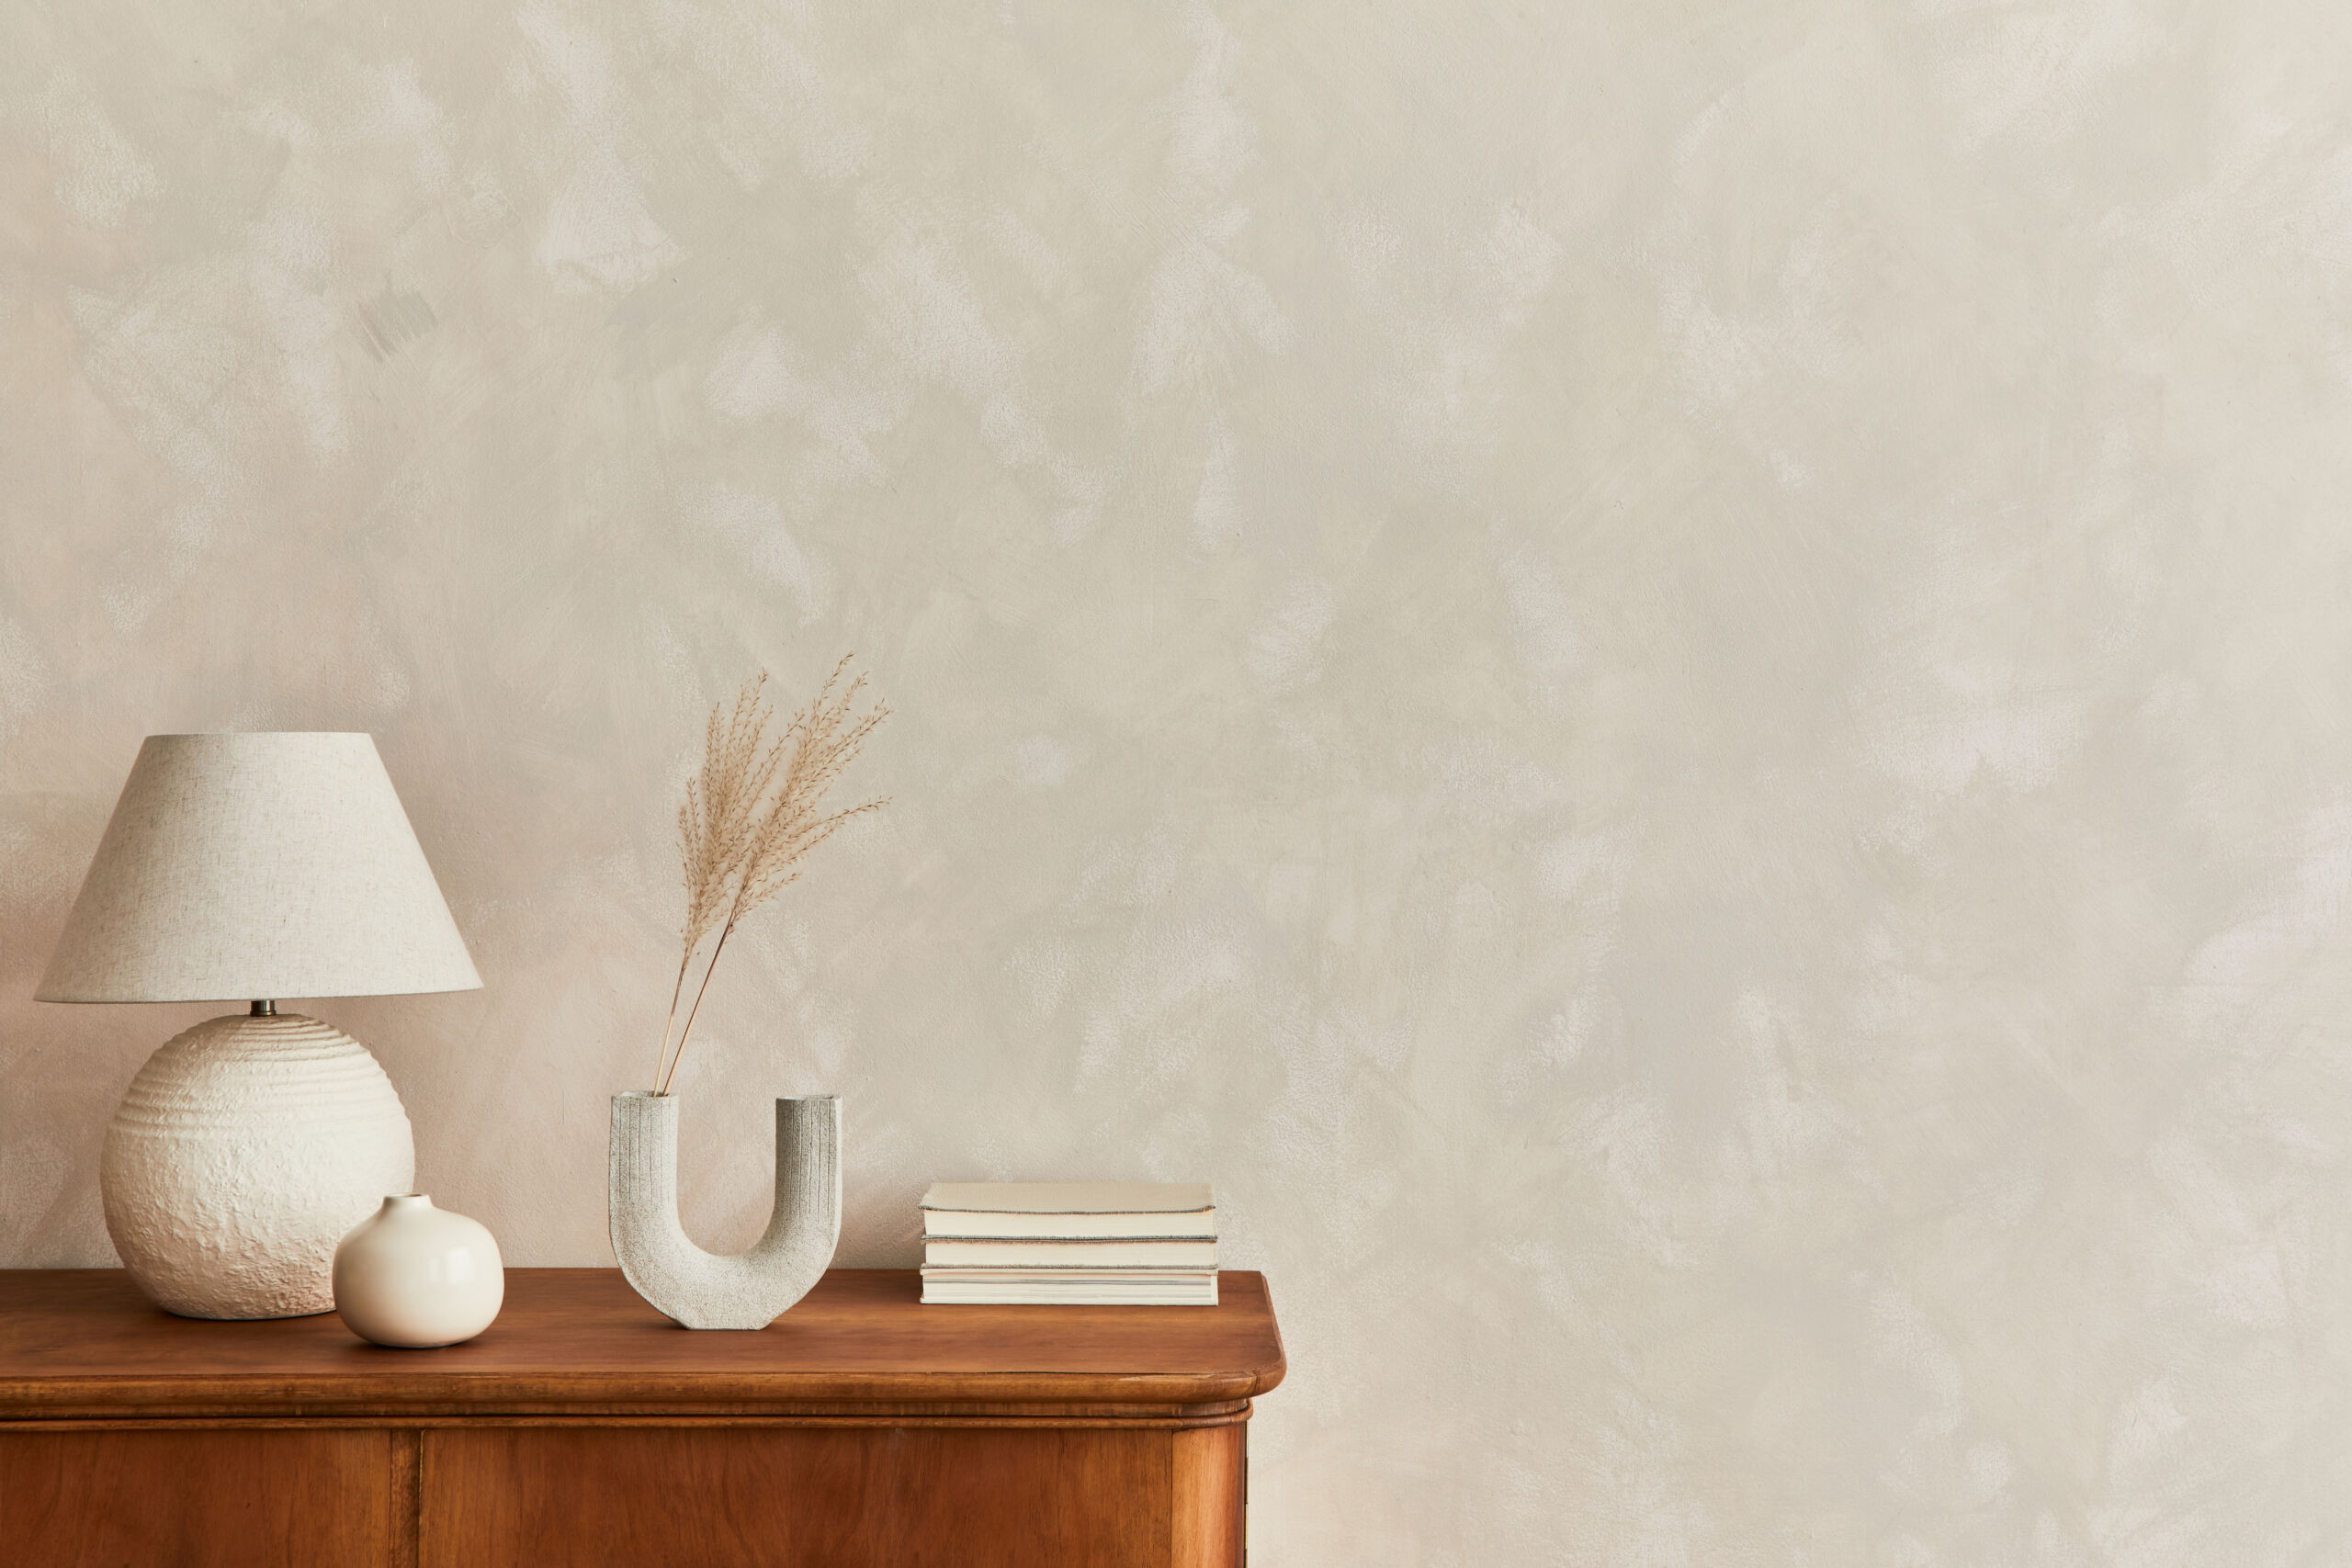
(244, 1151)
(702, 1289)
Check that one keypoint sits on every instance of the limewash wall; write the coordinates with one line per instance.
(1672, 681)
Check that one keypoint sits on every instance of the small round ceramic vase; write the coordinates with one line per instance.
(415, 1277)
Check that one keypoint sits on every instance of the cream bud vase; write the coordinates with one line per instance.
(702, 1289)
(413, 1276)
(244, 1149)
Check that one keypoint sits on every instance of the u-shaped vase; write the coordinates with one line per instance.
(704, 1289)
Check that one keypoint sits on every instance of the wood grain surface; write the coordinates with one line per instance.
(1208, 1487)
(200, 1499)
(861, 1430)
(786, 1496)
(580, 1341)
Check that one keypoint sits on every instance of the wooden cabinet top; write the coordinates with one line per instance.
(84, 1342)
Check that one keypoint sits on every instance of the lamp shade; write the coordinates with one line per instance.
(238, 867)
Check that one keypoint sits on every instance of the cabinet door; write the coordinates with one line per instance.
(846, 1496)
(180, 1498)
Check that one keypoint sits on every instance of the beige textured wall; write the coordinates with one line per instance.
(1669, 680)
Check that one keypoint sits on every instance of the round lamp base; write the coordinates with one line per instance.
(244, 1150)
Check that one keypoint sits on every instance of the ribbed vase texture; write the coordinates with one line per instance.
(244, 1150)
(703, 1289)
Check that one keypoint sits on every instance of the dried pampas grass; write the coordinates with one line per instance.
(753, 812)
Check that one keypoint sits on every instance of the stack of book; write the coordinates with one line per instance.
(1076, 1244)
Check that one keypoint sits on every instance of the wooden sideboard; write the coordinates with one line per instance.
(583, 1427)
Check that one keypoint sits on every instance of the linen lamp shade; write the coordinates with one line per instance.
(261, 865)
(247, 868)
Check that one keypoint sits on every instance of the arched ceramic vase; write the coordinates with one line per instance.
(702, 1289)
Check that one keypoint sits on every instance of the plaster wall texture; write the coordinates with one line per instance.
(1669, 680)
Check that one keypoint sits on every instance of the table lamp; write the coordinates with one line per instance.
(250, 868)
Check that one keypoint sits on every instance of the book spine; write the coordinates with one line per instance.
(1119, 1278)
(934, 1295)
(1074, 1254)
(979, 1225)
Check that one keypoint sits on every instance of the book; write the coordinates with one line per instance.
(983, 1224)
(1086, 1255)
(998, 1286)
(1069, 1208)
(958, 1273)
(1073, 1243)
(998, 1296)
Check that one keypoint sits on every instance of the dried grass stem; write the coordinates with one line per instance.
(743, 833)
